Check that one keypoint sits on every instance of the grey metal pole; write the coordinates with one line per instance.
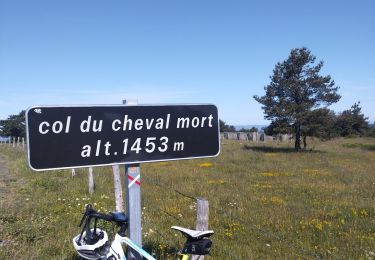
(133, 200)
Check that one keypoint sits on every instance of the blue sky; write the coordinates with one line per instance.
(178, 51)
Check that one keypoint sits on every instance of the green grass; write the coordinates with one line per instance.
(370, 147)
(266, 202)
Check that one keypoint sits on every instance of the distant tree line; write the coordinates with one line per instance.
(224, 127)
(326, 124)
(14, 125)
(250, 130)
(322, 123)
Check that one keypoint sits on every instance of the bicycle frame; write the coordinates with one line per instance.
(117, 251)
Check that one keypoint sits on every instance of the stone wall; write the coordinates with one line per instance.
(255, 137)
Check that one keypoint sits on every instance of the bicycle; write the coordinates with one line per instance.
(93, 243)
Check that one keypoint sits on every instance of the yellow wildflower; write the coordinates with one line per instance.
(205, 164)
(363, 213)
(319, 226)
(275, 174)
(264, 186)
(216, 182)
(268, 174)
(163, 163)
(276, 200)
(228, 234)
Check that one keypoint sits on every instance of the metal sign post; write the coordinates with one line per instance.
(133, 206)
(133, 200)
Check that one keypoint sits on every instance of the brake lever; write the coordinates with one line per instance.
(83, 219)
(88, 208)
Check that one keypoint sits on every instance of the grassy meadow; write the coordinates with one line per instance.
(266, 202)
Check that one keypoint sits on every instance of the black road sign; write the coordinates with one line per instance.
(81, 136)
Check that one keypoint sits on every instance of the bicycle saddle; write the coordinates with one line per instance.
(193, 233)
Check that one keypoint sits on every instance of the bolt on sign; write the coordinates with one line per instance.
(80, 136)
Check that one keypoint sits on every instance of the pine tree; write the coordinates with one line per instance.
(352, 121)
(296, 89)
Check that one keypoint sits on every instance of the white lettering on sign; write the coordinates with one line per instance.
(184, 122)
(46, 130)
(149, 145)
(114, 125)
(138, 124)
(57, 126)
(86, 149)
(86, 125)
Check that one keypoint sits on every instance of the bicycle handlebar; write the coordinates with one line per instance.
(91, 213)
